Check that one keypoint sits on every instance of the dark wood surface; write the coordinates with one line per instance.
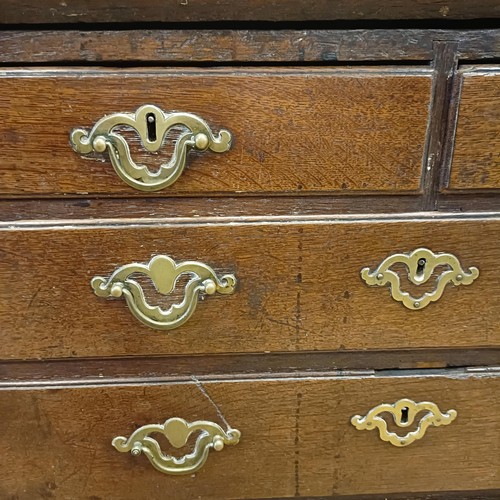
(248, 206)
(295, 130)
(299, 286)
(216, 206)
(445, 64)
(229, 46)
(476, 157)
(113, 11)
(297, 439)
(70, 372)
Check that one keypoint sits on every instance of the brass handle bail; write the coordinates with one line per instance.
(164, 272)
(177, 431)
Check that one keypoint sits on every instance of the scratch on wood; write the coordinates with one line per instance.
(212, 402)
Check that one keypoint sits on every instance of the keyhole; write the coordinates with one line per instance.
(421, 266)
(404, 415)
(151, 127)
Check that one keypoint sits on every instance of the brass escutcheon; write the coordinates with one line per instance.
(164, 273)
(420, 264)
(403, 412)
(177, 431)
(152, 126)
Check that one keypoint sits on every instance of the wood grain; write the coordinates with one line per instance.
(135, 11)
(70, 372)
(445, 65)
(297, 439)
(476, 158)
(246, 45)
(225, 206)
(299, 287)
(295, 131)
(214, 206)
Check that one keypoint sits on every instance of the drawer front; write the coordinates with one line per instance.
(297, 440)
(476, 158)
(320, 130)
(299, 287)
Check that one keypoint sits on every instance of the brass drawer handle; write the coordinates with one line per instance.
(152, 125)
(403, 412)
(164, 273)
(420, 264)
(177, 431)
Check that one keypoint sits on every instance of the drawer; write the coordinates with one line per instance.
(297, 440)
(299, 286)
(476, 158)
(293, 131)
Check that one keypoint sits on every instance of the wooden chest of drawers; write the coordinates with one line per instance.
(261, 260)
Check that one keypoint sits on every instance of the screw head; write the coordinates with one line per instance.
(380, 276)
(459, 277)
(218, 443)
(136, 450)
(416, 305)
(201, 141)
(99, 144)
(210, 287)
(116, 290)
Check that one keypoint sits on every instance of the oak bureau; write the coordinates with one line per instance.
(250, 250)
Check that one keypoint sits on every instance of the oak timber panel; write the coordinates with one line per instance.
(238, 45)
(476, 158)
(299, 287)
(136, 11)
(294, 131)
(297, 439)
(335, 461)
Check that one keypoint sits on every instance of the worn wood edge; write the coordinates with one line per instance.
(377, 197)
(241, 46)
(117, 208)
(82, 72)
(473, 70)
(445, 65)
(241, 221)
(183, 368)
(451, 129)
(469, 202)
(89, 208)
(238, 378)
(135, 11)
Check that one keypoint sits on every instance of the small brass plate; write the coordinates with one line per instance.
(420, 264)
(403, 412)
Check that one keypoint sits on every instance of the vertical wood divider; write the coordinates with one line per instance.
(445, 64)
